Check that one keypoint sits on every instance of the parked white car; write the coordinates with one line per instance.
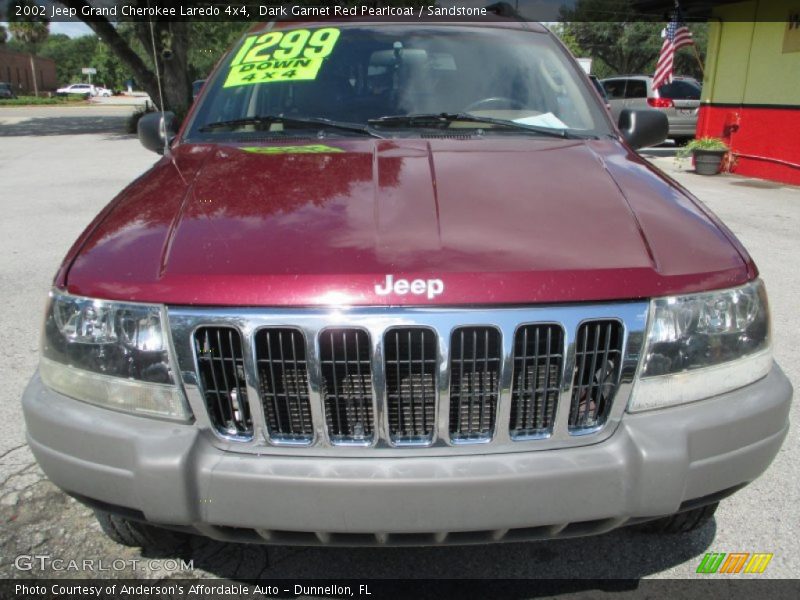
(104, 92)
(82, 89)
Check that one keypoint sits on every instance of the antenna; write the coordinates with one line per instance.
(163, 125)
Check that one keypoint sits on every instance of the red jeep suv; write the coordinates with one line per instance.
(404, 284)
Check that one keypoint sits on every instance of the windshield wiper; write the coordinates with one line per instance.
(445, 119)
(296, 121)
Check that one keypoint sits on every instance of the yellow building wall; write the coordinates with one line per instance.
(746, 62)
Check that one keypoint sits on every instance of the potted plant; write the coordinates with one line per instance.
(707, 153)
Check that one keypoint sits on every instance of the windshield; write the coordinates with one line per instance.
(359, 74)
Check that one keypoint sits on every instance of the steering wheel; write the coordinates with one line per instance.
(489, 103)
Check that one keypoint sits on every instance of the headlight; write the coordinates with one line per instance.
(702, 345)
(111, 354)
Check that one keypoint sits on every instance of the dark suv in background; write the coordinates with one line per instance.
(679, 100)
(6, 91)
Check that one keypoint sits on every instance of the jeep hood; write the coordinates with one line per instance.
(320, 222)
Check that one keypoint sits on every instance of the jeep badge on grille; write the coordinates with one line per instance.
(401, 287)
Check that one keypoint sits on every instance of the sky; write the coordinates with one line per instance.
(74, 29)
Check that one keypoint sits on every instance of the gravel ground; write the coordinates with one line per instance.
(59, 166)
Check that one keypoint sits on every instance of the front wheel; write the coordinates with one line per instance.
(682, 522)
(142, 535)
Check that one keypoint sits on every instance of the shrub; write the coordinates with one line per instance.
(704, 143)
(34, 101)
(133, 120)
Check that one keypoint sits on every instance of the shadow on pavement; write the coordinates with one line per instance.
(762, 184)
(44, 519)
(665, 150)
(622, 554)
(65, 125)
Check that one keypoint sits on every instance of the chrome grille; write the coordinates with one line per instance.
(283, 377)
(410, 368)
(347, 384)
(392, 381)
(597, 365)
(220, 363)
(474, 382)
(536, 384)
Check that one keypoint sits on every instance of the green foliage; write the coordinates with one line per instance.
(132, 124)
(704, 143)
(622, 42)
(568, 38)
(70, 56)
(34, 101)
(29, 33)
(686, 59)
(111, 73)
(210, 41)
(618, 48)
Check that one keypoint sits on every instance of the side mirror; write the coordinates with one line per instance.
(642, 128)
(155, 129)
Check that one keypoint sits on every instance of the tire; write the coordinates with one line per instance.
(136, 534)
(682, 522)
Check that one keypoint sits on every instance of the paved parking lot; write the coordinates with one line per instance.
(60, 166)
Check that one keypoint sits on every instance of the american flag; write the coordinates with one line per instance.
(677, 36)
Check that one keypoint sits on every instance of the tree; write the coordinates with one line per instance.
(623, 42)
(183, 51)
(70, 55)
(211, 40)
(567, 38)
(171, 41)
(31, 31)
(686, 61)
(602, 30)
(30, 34)
(110, 70)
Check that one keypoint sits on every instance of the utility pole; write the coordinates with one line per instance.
(33, 72)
